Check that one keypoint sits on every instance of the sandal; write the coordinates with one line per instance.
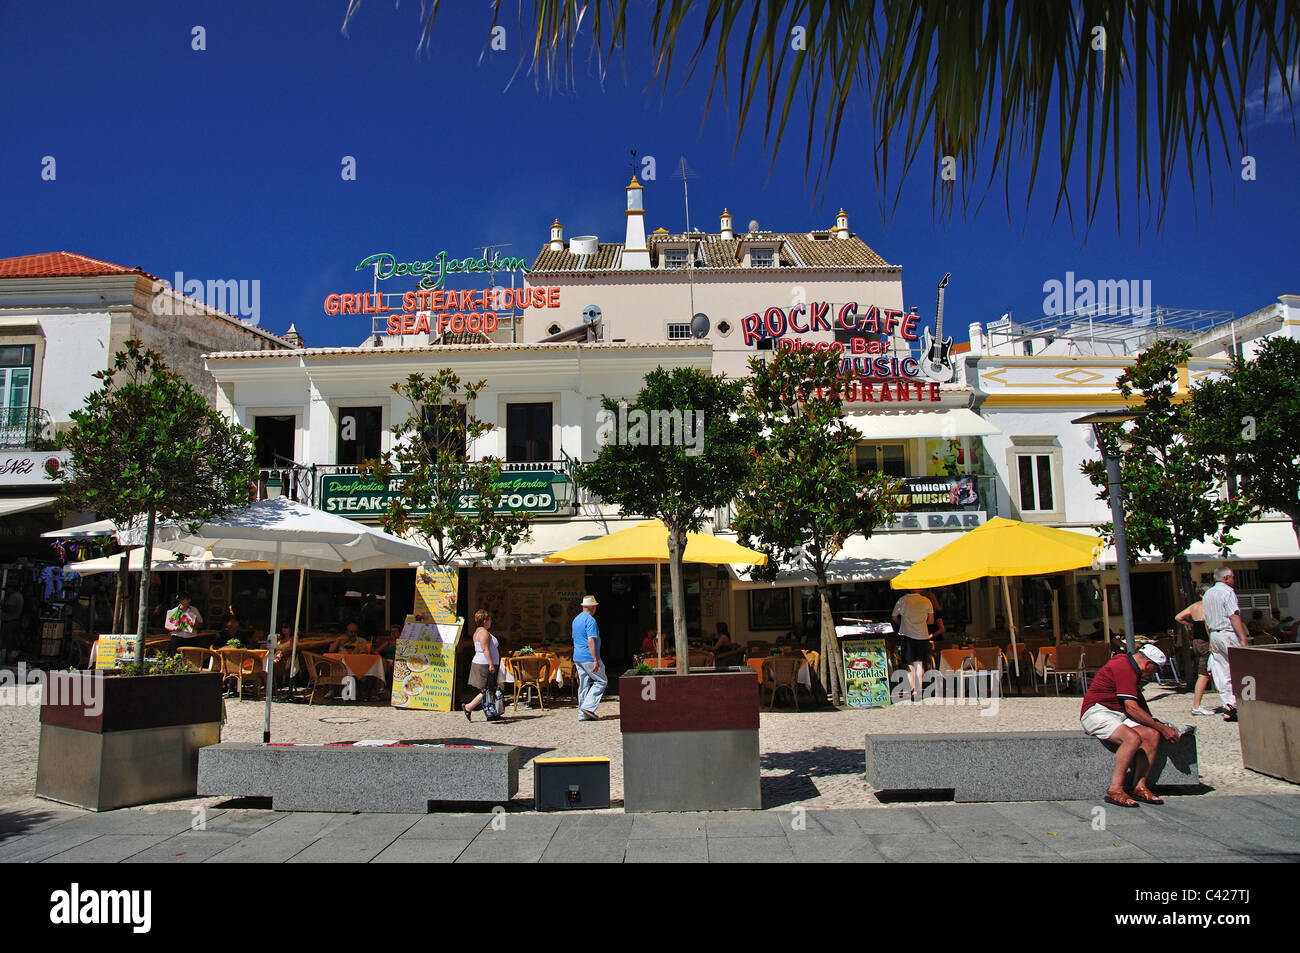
(1230, 714)
(1143, 793)
(1120, 799)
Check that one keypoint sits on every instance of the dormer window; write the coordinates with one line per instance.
(762, 258)
(675, 257)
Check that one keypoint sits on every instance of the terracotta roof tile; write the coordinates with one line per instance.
(63, 264)
(797, 250)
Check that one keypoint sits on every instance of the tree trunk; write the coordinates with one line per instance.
(1185, 587)
(146, 564)
(831, 673)
(123, 600)
(676, 546)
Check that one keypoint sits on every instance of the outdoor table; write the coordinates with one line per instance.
(1043, 654)
(953, 659)
(804, 678)
(361, 666)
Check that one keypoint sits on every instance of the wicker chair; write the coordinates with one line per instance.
(322, 672)
(241, 664)
(530, 672)
(783, 672)
(1068, 663)
(700, 659)
(205, 660)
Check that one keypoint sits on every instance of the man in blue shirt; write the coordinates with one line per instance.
(592, 678)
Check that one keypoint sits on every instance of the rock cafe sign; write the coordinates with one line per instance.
(436, 310)
(873, 374)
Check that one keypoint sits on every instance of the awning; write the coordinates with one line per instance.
(21, 504)
(551, 537)
(880, 557)
(949, 423)
(1264, 540)
(98, 528)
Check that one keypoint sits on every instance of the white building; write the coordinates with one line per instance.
(1032, 379)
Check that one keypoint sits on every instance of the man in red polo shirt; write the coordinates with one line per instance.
(1114, 710)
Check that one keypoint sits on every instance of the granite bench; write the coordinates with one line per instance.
(380, 778)
(1014, 765)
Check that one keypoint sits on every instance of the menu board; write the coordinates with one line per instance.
(526, 618)
(424, 671)
(436, 593)
(113, 651)
(866, 673)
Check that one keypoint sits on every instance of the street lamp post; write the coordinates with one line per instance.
(1108, 443)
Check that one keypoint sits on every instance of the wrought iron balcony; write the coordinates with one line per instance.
(25, 428)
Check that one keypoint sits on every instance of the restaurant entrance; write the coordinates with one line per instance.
(627, 610)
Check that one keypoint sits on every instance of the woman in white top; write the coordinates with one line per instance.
(487, 656)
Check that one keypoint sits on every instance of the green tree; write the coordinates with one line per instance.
(1250, 417)
(806, 497)
(447, 499)
(969, 82)
(1169, 489)
(148, 446)
(678, 481)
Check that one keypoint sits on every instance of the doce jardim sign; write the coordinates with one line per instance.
(360, 496)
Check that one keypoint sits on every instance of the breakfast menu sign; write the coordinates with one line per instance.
(424, 666)
(866, 673)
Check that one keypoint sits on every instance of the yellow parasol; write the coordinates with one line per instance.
(648, 543)
(1002, 547)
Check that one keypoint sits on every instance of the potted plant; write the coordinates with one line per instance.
(527, 650)
(234, 644)
(110, 742)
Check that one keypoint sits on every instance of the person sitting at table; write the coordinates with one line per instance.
(649, 645)
(284, 640)
(386, 645)
(999, 630)
(229, 631)
(350, 641)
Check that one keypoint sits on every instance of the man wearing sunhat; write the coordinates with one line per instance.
(592, 677)
(1114, 710)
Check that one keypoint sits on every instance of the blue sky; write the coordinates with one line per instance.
(226, 163)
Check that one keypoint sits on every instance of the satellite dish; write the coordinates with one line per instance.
(753, 226)
(591, 314)
(699, 325)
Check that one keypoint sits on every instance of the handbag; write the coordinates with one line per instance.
(493, 703)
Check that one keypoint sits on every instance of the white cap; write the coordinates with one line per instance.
(1153, 653)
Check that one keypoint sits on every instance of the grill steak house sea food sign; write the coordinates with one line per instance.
(433, 309)
(360, 496)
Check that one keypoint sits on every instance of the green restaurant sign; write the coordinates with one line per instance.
(359, 496)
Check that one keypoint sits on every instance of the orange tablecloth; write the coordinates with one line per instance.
(1041, 656)
(362, 665)
(953, 658)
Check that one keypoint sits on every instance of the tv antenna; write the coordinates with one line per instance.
(685, 172)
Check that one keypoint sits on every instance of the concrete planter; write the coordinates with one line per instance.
(690, 742)
(1266, 679)
(110, 742)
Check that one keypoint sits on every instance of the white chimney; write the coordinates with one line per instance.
(635, 252)
(842, 224)
(557, 237)
(727, 232)
(976, 339)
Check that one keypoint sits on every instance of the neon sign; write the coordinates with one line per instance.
(434, 272)
(440, 310)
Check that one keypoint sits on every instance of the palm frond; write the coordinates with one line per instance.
(1170, 80)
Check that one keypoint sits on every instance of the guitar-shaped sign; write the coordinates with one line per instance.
(935, 362)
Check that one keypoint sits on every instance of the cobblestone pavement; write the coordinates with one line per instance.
(810, 758)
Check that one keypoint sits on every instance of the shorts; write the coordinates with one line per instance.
(482, 677)
(1201, 649)
(1101, 722)
(913, 650)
